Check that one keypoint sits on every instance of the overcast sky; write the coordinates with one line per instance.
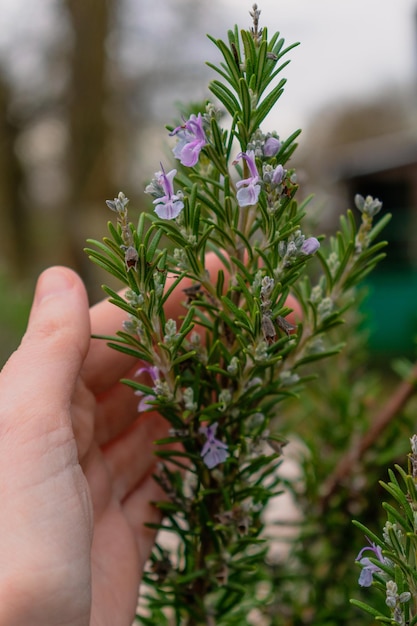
(349, 48)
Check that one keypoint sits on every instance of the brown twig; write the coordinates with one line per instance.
(348, 462)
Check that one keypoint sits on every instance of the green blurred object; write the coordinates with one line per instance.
(391, 312)
(15, 302)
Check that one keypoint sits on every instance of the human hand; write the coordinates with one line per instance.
(76, 464)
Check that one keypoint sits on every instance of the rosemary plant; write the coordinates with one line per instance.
(220, 372)
(389, 562)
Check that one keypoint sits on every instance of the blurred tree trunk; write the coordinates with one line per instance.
(15, 227)
(89, 133)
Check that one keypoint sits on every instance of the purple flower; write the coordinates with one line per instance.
(167, 204)
(278, 175)
(191, 140)
(249, 188)
(310, 246)
(271, 146)
(214, 451)
(145, 402)
(368, 568)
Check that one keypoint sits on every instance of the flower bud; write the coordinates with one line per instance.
(310, 245)
(271, 146)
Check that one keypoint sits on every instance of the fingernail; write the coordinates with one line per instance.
(53, 281)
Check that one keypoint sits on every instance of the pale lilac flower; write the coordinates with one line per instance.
(310, 246)
(271, 146)
(214, 451)
(191, 140)
(249, 188)
(278, 175)
(145, 403)
(369, 568)
(167, 204)
(273, 176)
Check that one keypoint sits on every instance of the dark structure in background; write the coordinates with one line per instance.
(386, 167)
(371, 149)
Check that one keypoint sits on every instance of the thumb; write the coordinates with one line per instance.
(41, 374)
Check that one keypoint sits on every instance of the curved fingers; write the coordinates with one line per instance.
(103, 366)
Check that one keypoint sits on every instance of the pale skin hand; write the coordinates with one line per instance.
(76, 468)
(76, 465)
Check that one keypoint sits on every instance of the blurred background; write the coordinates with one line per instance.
(86, 88)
